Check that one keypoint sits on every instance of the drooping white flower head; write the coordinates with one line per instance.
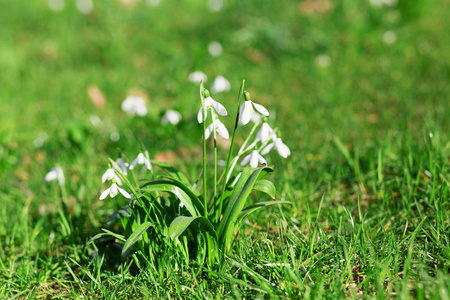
(198, 76)
(210, 103)
(220, 84)
(110, 174)
(278, 144)
(134, 105)
(264, 132)
(123, 166)
(248, 107)
(142, 160)
(113, 190)
(56, 173)
(171, 116)
(253, 158)
(220, 128)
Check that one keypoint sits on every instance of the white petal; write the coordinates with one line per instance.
(133, 163)
(147, 164)
(118, 180)
(124, 193)
(282, 149)
(261, 159)
(208, 131)
(141, 158)
(261, 109)
(222, 130)
(52, 175)
(267, 148)
(220, 109)
(128, 103)
(141, 110)
(264, 132)
(220, 84)
(122, 165)
(104, 194)
(199, 115)
(246, 112)
(171, 116)
(254, 159)
(246, 159)
(197, 76)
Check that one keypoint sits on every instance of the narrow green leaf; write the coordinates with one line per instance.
(174, 173)
(266, 186)
(248, 210)
(180, 224)
(134, 237)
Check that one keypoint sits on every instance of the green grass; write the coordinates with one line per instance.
(368, 185)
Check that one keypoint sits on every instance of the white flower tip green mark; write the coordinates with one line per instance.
(253, 158)
(55, 173)
(142, 160)
(248, 107)
(220, 129)
(113, 191)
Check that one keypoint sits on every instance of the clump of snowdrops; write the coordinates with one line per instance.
(165, 211)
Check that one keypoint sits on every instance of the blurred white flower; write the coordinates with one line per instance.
(56, 173)
(56, 5)
(123, 166)
(253, 158)
(389, 37)
(142, 160)
(40, 140)
(264, 132)
(85, 6)
(209, 104)
(113, 190)
(215, 48)
(95, 120)
(134, 105)
(171, 116)
(220, 128)
(383, 2)
(110, 174)
(323, 60)
(215, 5)
(153, 2)
(278, 144)
(114, 136)
(246, 110)
(220, 84)
(197, 76)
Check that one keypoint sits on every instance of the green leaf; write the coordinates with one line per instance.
(174, 173)
(180, 224)
(266, 186)
(134, 237)
(181, 191)
(248, 210)
(236, 203)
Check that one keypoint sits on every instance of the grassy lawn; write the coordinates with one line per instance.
(360, 94)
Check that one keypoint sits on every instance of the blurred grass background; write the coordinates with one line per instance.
(370, 74)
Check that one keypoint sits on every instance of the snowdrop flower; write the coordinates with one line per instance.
(282, 149)
(110, 174)
(253, 158)
(248, 107)
(171, 116)
(209, 104)
(197, 76)
(215, 48)
(56, 173)
(123, 166)
(220, 128)
(142, 160)
(134, 105)
(264, 132)
(113, 190)
(220, 84)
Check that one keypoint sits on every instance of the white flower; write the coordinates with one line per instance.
(254, 158)
(247, 109)
(85, 6)
(197, 76)
(215, 48)
(140, 159)
(282, 149)
(209, 103)
(56, 5)
(110, 174)
(220, 128)
(113, 190)
(220, 84)
(171, 116)
(56, 173)
(134, 105)
(264, 132)
(123, 166)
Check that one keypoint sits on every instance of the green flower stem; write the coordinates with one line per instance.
(236, 124)
(204, 151)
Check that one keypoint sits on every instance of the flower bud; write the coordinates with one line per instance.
(247, 96)
(206, 93)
